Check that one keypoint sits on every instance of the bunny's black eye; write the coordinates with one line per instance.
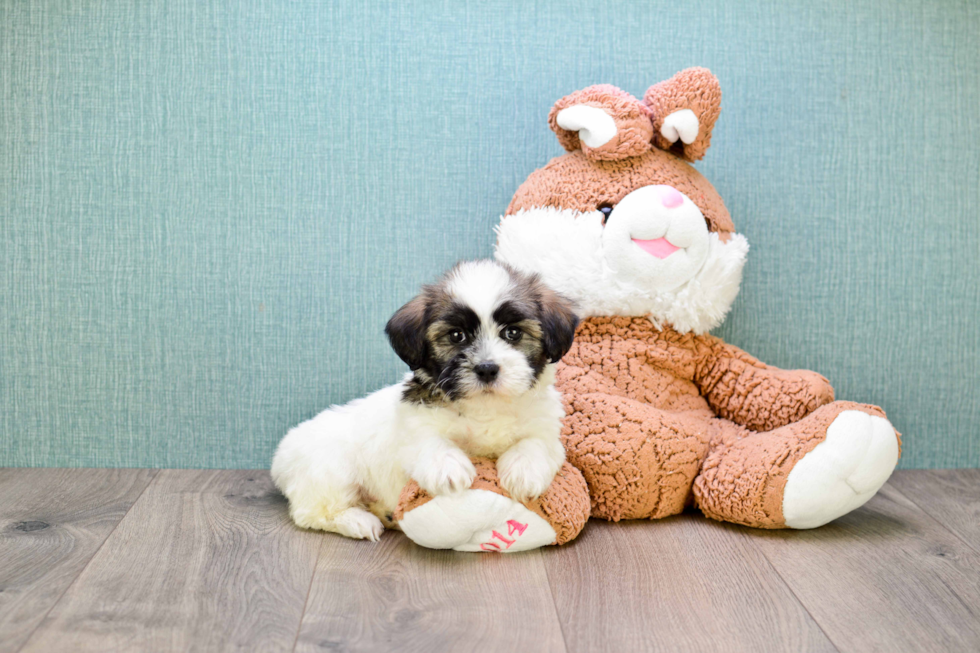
(605, 210)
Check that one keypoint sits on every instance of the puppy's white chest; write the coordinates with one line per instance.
(475, 440)
(491, 440)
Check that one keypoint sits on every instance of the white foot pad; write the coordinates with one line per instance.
(842, 472)
(476, 520)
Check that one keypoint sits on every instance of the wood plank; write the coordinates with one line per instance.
(204, 561)
(950, 496)
(52, 521)
(394, 595)
(885, 577)
(678, 584)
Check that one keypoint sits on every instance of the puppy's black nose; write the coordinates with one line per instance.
(486, 371)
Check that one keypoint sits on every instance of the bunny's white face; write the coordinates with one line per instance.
(656, 237)
(642, 261)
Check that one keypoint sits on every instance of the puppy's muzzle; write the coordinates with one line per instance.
(486, 371)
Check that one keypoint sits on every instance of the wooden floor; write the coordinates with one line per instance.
(147, 560)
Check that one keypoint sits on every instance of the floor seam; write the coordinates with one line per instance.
(306, 601)
(554, 603)
(154, 474)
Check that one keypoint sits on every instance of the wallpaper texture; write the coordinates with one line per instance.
(208, 210)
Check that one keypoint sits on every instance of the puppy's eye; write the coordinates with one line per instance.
(513, 334)
(605, 209)
(457, 337)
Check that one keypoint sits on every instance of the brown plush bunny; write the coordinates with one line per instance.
(660, 414)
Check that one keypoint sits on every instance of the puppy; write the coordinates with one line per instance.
(481, 344)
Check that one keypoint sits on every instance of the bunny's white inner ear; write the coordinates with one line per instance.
(595, 127)
(681, 124)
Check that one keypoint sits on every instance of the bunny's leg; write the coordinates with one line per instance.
(639, 461)
(801, 475)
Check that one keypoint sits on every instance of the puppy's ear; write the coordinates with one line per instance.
(558, 322)
(406, 333)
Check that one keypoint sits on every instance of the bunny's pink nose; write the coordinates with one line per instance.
(670, 197)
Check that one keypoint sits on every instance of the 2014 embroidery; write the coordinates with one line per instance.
(513, 526)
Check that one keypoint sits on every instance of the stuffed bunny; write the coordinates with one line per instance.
(661, 415)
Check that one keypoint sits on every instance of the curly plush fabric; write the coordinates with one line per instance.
(658, 420)
(632, 118)
(695, 89)
(574, 181)
(744, 476)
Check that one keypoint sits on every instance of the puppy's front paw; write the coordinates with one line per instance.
(523, 476)
(446, 473)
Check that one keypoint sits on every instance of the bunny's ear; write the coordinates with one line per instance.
(684, 110)
(605, 122)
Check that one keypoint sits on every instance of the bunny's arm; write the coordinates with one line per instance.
(629, 357)
(746, 391)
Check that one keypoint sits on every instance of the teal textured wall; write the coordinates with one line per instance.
(208, 211)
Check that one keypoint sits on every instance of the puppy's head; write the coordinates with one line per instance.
(484, 328)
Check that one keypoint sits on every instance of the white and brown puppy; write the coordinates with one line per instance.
(481, 344)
